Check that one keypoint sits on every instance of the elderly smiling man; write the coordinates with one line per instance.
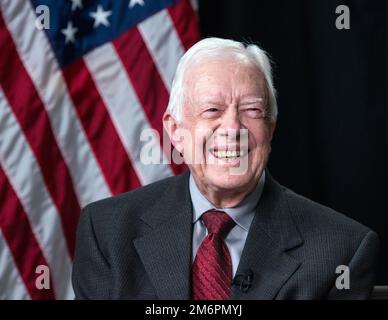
(225, 229)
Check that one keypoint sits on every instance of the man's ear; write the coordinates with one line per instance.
(171, 126)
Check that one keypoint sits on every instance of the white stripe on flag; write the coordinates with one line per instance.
(11, 284)
(22, 170)
(125, 110)
(194, 4)
(163, 42)
(39, 61)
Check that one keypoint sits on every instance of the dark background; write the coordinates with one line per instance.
(331, 139)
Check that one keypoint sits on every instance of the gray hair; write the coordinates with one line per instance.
(219, 48)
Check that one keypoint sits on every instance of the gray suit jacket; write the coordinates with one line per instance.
(138, 246)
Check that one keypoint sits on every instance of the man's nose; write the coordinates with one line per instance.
(230, 122)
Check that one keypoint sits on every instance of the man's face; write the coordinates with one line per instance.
(222, 98)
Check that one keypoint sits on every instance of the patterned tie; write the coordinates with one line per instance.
(212, 268)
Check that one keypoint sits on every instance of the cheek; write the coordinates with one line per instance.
(202, 137)
(261, 137)
(262, 143)
(194, 146)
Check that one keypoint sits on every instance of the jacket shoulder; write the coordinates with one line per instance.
(111, 215)
(144, 196)
(319, 219)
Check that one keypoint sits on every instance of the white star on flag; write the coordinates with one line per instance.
(100, 17)
(132, 3)
(76, 4)
(69, 32)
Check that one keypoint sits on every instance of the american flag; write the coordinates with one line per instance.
(74, 99)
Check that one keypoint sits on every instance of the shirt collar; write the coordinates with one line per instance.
(242, 214)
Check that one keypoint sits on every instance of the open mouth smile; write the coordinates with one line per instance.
(229, 154)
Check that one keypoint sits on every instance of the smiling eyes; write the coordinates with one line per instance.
(212, 110)
(250, 112)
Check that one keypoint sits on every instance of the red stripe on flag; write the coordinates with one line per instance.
(186, 22)
(21, 240)
(108, 149)
(34, 121)
(145, 79)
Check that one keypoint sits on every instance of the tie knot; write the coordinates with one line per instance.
(218, 222)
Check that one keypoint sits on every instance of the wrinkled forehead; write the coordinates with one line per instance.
(224, 74)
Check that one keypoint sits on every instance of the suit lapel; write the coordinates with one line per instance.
(165, 250)
(271, 234)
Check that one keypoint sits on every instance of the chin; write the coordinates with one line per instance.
(230, 182)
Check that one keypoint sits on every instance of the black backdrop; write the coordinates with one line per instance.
(331, 139)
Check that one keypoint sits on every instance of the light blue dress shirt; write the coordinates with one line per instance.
(242, 215)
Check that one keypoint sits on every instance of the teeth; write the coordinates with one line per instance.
(229, 154)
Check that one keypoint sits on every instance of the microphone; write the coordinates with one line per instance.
(244, 280)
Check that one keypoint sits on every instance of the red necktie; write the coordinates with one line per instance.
(212, 268)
